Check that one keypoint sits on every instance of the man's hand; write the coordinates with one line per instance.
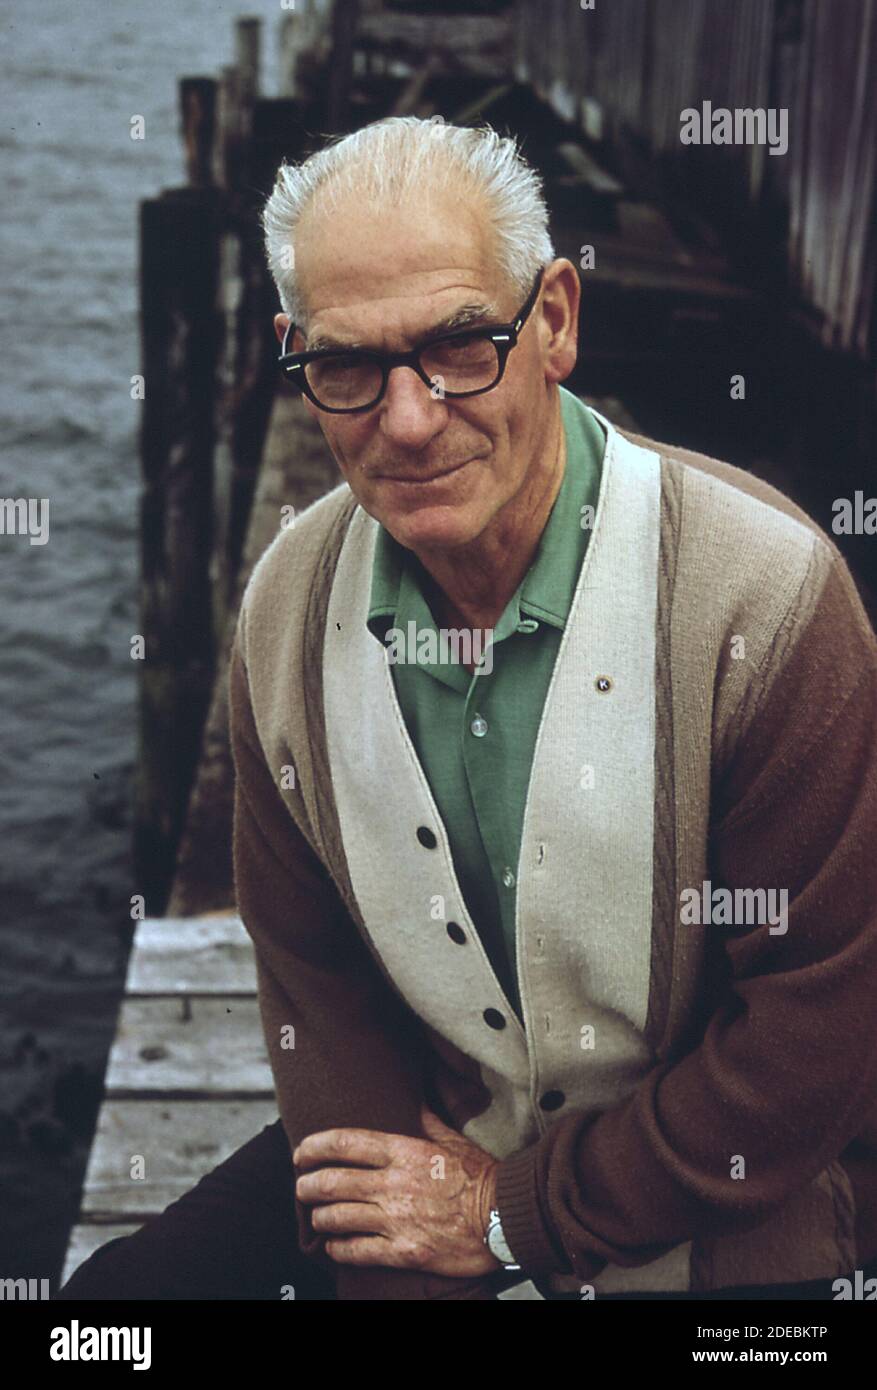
(401, 1202)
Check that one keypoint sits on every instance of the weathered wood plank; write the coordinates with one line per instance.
(85, 1239)
(191, 956)
(190, 1047)
(173, 1144)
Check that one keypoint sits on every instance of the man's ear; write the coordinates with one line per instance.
(560, 319)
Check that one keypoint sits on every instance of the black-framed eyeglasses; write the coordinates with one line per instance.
(462, 362)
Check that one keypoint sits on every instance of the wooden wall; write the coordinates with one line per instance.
(626, 70)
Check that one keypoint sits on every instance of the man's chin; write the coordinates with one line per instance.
(427, 527)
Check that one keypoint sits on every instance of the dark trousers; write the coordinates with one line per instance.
(233, 1236)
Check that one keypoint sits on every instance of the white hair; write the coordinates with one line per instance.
(383, 162)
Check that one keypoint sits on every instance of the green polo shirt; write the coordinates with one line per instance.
(475, 734)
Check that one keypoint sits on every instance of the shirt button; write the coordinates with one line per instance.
(456, 933)
(508, 878)
(552, 1100)
(426, 837)
(478, 726)
(494, 1019)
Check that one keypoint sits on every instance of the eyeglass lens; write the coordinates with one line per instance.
(455, 366)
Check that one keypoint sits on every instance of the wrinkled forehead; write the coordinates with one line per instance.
(358, 264)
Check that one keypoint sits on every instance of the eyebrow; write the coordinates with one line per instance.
(476, 313)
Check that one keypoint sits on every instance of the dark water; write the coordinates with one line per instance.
(73, 77)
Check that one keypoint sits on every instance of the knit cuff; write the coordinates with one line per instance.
(520, 1212)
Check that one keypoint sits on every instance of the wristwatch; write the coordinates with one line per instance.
(497, 1243)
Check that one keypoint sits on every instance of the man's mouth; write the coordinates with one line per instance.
(421, 478)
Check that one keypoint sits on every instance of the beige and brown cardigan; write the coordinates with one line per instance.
(719, 1125)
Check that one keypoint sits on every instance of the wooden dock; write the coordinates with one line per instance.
(188, 1079)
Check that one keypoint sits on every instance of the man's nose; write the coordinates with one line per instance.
(410, 414)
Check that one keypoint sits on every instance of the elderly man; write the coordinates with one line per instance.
(556, 792)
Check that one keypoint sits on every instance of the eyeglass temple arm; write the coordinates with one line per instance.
(531, 300)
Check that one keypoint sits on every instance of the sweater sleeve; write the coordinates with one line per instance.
(344, 1050)
(785, 1070)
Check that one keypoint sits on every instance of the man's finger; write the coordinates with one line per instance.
(339, 1185)
(367, 1146)
(355, 1218)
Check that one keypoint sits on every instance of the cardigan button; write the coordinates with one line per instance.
(552, 1100)
(456, 933)
(426, 837)
(493, 1018)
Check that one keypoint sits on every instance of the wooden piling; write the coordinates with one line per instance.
(344, 19)
(304, 40)
(179, 236)
(198, 128)
(248, 45)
